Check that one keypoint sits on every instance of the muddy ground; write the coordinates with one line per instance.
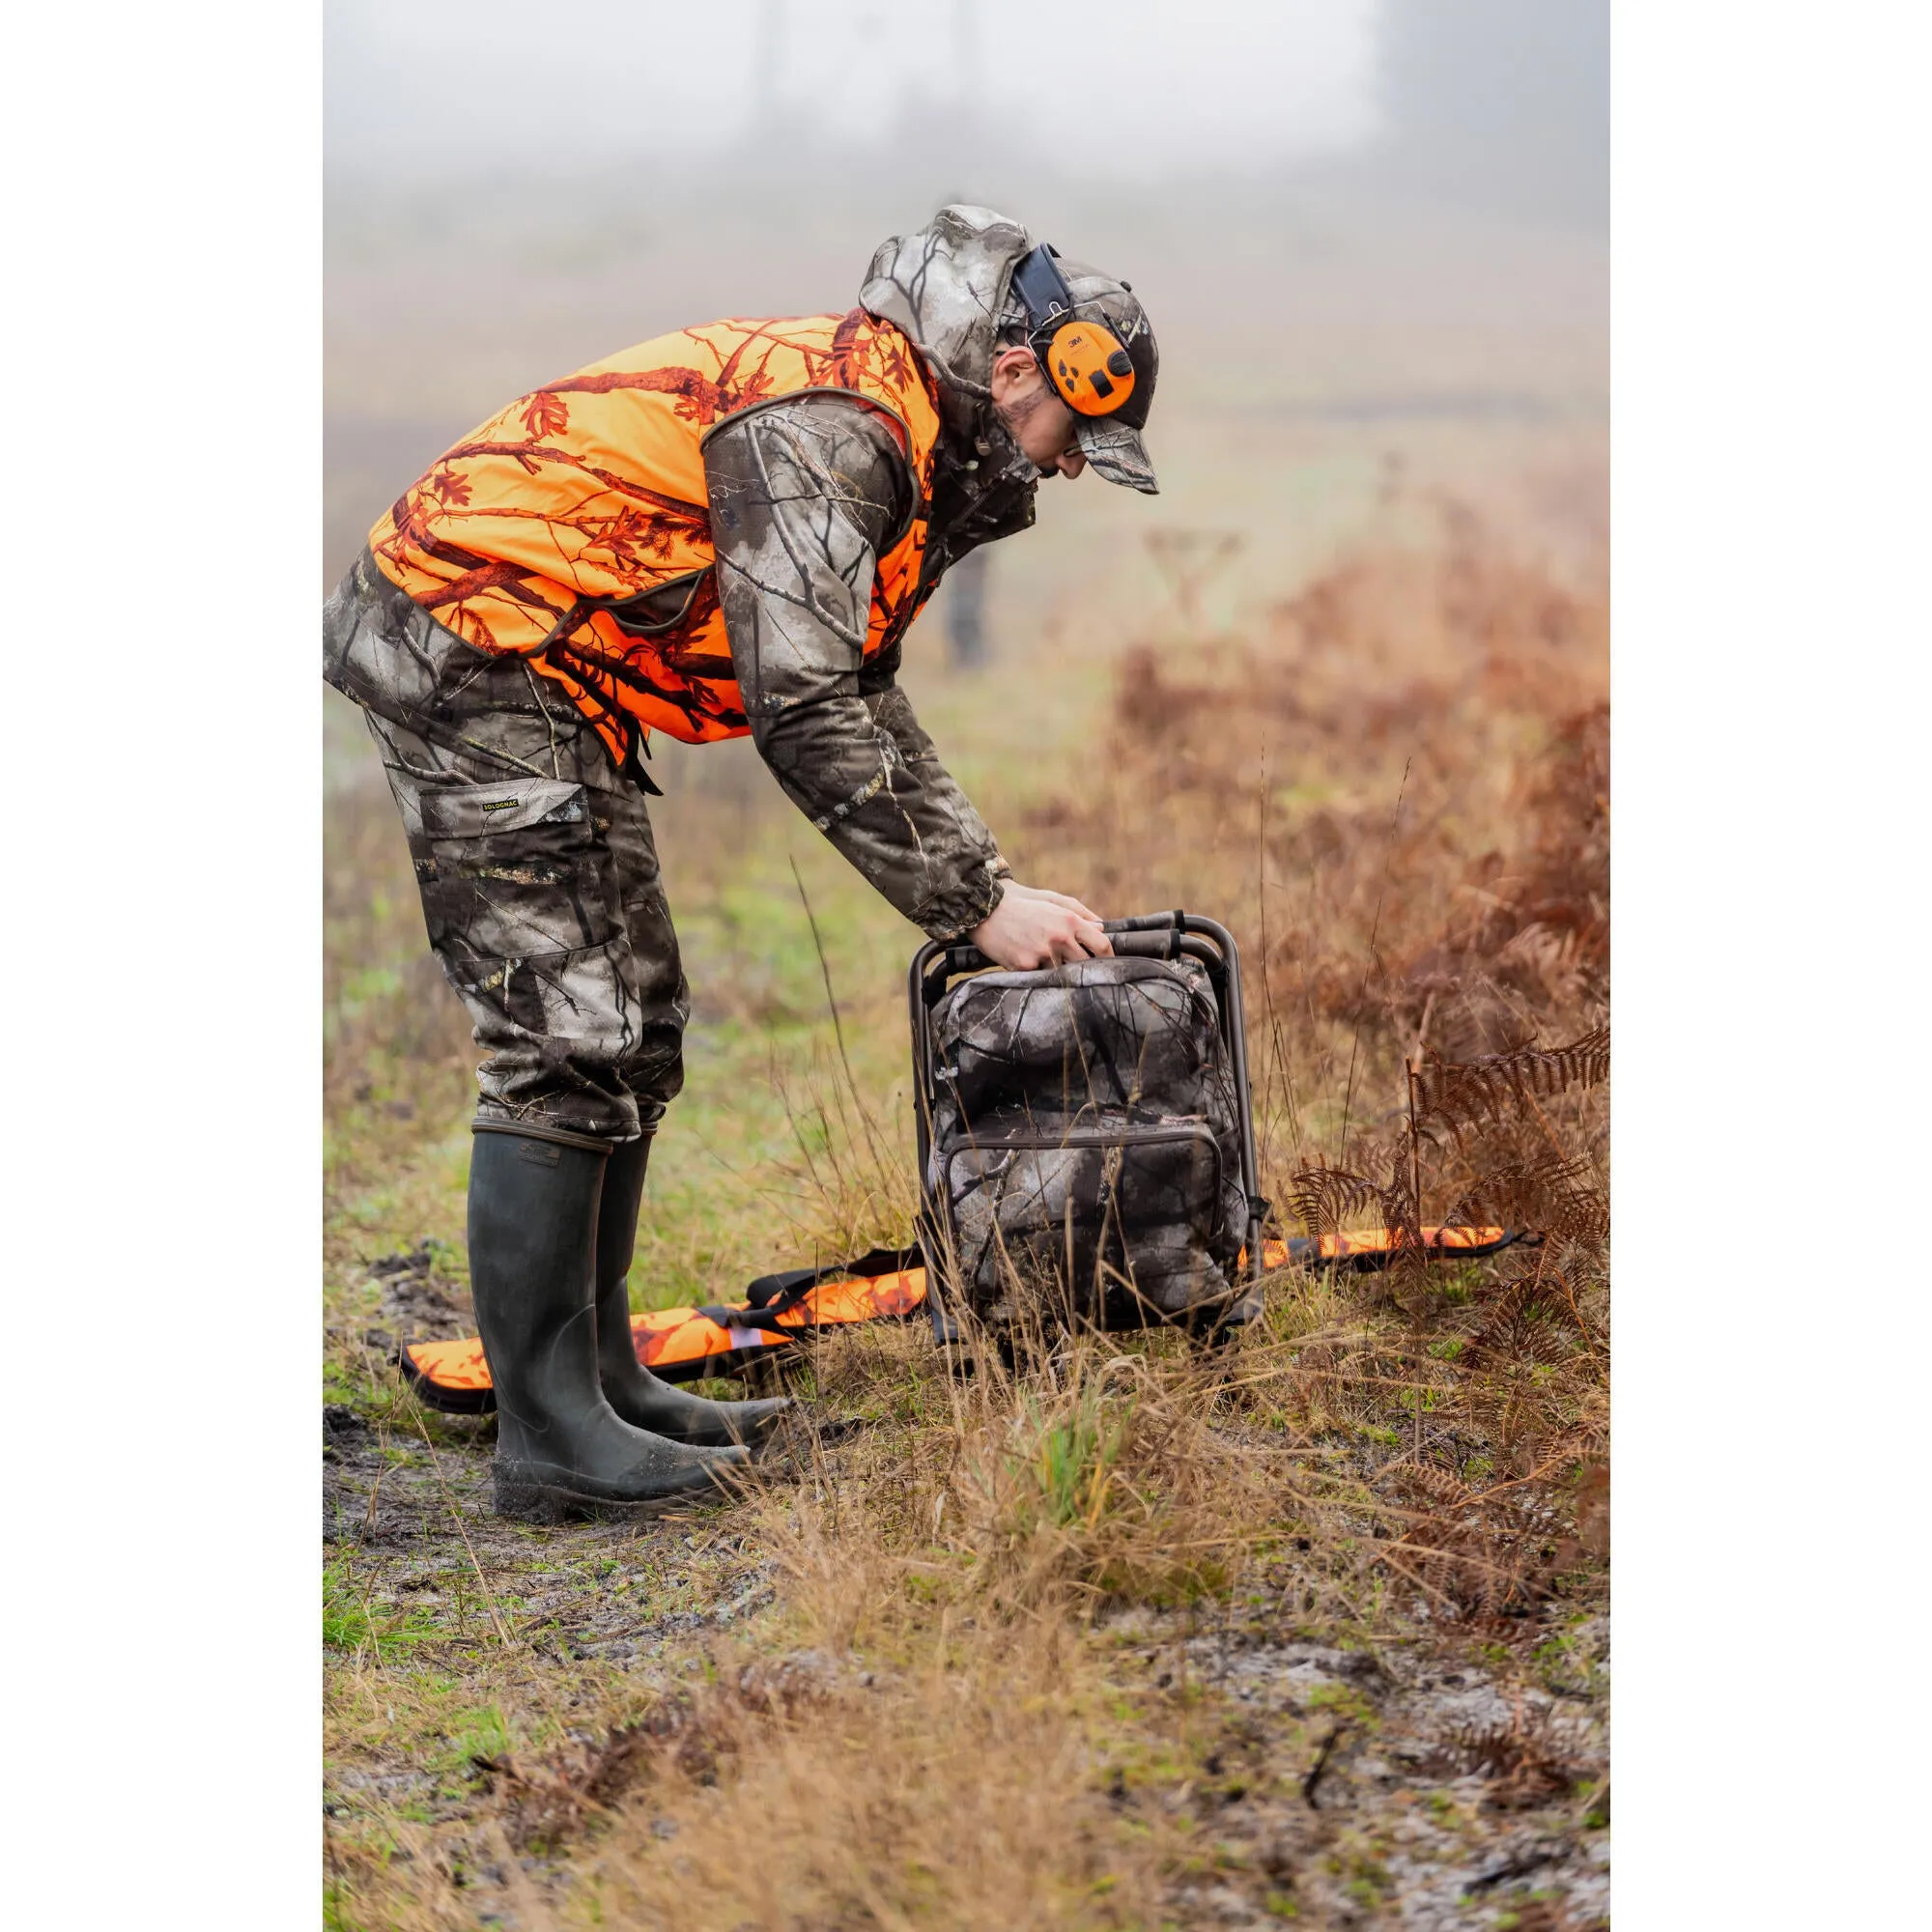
(1428, 1780)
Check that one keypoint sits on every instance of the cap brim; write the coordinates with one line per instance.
(1118, 453)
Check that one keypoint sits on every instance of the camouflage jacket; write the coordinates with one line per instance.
(805, 496)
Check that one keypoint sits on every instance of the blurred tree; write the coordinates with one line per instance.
(966, 612)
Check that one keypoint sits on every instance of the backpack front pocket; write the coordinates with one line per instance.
(1113, 1223)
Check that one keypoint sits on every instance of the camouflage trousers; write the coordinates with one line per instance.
(536, 865)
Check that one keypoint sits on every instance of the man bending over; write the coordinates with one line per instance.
(725, 530)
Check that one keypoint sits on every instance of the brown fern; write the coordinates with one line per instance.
(1323, 1197)
(1550, 1192)
(1470, 1094)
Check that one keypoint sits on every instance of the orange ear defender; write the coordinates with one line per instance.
(1087, 363)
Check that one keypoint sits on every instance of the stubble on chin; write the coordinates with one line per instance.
(1016, 414)
(1020, 412)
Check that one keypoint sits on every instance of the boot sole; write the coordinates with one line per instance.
(551, 1503)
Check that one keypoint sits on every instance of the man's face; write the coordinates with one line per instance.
(1041, 424)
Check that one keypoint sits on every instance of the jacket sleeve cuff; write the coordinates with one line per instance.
(958, 911)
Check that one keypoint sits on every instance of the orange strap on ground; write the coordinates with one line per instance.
(669, 1338)
(1382, 1241)
(672, 1337)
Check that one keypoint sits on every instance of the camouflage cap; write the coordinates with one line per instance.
(1112, 443)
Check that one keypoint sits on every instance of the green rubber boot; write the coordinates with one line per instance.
(631, 1388)
(561, 1449)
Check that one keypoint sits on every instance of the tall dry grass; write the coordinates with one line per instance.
(942, 1728)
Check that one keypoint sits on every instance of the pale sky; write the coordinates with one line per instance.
(438, 87)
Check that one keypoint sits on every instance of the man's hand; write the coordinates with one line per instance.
(1029, 929)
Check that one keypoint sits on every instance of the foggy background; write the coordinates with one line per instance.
(1371, 236)
(1496, 102)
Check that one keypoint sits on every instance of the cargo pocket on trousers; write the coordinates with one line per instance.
(514, 871)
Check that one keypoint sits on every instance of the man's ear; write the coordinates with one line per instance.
(1016, 363)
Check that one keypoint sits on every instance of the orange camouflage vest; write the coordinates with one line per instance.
(532, 533)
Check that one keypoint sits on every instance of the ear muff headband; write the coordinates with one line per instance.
(1087, 363)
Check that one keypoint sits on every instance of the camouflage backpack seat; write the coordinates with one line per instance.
(1086, 1145)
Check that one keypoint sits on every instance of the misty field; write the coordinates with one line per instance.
(1312, 1631)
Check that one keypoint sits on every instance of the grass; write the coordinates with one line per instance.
(349, 1626)
(1062, 1647)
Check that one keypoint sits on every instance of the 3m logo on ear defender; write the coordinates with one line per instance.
(1092, 373)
